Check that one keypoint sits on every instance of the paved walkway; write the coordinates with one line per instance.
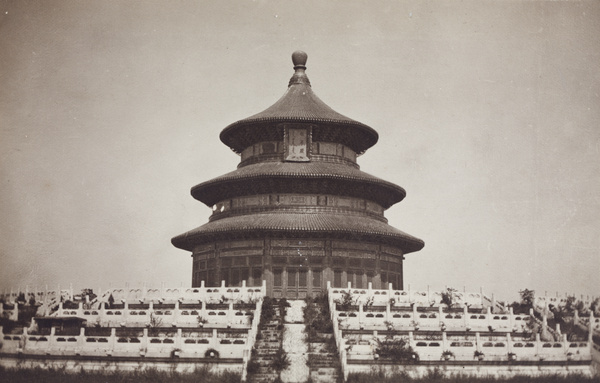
(294, 343)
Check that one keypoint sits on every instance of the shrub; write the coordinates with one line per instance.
(281, 361)
(527, 298)
(447, 355)
(316, 316)
(283, 305)
(252, 367)
(398, 350)
(268, 311)
(346, 301)
(448, 296)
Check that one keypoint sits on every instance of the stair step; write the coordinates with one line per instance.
(329, 371)
(266, 370)
(263, 378)
(265, 351)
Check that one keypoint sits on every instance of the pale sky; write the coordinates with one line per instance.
(487, 112)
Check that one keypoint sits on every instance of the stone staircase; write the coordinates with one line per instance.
(317, 358)
(323, 360)
(267, 346)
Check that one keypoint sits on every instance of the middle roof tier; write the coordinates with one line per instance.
(303, 178)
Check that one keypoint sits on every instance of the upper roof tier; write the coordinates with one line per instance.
(299, 104)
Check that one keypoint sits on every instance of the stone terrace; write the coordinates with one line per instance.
(472, 333)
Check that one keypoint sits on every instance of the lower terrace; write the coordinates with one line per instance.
(469, 333)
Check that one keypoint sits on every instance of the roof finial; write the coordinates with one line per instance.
(299, 77)
(299, 59)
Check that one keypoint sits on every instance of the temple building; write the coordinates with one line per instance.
(298, 211)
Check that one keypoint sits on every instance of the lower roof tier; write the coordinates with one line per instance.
(328, 225)
(298, 177)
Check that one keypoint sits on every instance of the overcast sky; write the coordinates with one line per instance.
(487, 113)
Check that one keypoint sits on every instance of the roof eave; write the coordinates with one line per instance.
(227, 135)
(191, 239)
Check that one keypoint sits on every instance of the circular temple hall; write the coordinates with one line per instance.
(298, 211)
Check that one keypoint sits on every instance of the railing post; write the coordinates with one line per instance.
(481, 295)
(81, 338)
(388, 311)
(230, 314)
(113, 339)
(145, 340)
(203, 309)
(591, 327)
(176, 313)
(46, 300)
(178, 339)
(544, 324)
(444, 341)
(52, 337)
(360, 315)
(214, 339)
